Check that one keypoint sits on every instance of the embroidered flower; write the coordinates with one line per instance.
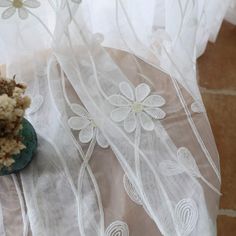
(86, 125)
(136, 106)
(18, 5)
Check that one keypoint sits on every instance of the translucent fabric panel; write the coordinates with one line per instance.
(125, 145)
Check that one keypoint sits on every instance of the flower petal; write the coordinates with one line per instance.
(5, 3)
(78, 123)
(154, 101)
(142, 91)
(118, 100)
(155, 112)
(8, 12)
(126, 90)
(32, 3)
(120, 113)
(101, 140)
(130, 122)
(23, 13)
(86, 134)
(79, 110)
(146, 122)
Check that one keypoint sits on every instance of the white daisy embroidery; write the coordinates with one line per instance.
(136, 106)
(18, 5)
(86, 125)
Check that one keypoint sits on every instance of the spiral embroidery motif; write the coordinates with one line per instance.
(186, 212)
(117, 228)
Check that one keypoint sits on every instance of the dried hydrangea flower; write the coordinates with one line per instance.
(12, 108)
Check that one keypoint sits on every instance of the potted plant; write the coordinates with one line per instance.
(18, 140)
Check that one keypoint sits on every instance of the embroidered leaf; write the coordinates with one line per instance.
(197, 107)
(186, 159)
(169, 168)
(131, 191)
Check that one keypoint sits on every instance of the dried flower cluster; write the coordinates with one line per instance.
(12, 108)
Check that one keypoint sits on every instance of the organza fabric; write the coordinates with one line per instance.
(125, 146)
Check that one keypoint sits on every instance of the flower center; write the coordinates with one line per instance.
(17, 3)
(137, 107)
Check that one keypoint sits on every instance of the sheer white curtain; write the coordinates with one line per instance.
(114, 98)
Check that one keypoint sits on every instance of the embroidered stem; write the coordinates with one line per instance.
(64, 88)
(210, 185)
(95, 72)
(80, 180)
(22, 206)
(2, 228)
(123, 39)
(42, 23)
(136, 150)
(78, 147)
(195, 130)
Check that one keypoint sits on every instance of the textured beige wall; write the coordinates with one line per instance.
(217, 70)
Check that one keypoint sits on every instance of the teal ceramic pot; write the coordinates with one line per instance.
(29, 138)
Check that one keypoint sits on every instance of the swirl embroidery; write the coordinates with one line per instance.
(186, 213)
(117, 228)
